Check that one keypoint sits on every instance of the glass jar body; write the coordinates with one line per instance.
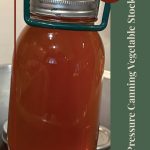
(55, 90)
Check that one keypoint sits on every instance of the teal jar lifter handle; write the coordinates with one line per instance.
(66, 26)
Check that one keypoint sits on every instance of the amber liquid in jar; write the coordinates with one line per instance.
(55, 90)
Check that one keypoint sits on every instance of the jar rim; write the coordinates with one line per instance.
(65, 8)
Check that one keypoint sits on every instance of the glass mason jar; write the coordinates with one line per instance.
(56, 80)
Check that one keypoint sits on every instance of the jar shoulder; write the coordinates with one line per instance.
(46, 36)
(41, 44)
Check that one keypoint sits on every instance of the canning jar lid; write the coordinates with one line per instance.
(104, 140)
(65, 8)
(4, 133)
